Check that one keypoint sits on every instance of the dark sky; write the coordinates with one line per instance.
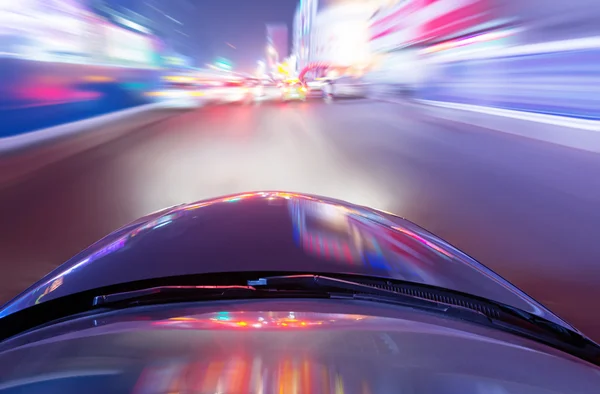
(211, 23)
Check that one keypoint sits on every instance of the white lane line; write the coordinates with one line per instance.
(564, 121)
(554, 120)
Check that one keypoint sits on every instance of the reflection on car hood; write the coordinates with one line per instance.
(319, 346)
(273, 231)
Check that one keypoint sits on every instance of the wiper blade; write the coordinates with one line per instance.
(341, 288)
(172, 293)
(327, 283)
(456, 305)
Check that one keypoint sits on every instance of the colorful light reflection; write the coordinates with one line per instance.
(235, 370)
(247, 373)
(272, 320)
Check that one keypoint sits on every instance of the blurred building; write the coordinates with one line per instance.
(45, 30)
(123, 16)
(401, 34)
(58, 53)
(150, 17)
(128, 36)
(303, 20)
(333, 34)
(339, 37)
(423, 22)
(277, 43)
(392, 30)
(297, 47)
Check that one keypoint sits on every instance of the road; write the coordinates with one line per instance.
(527, 209)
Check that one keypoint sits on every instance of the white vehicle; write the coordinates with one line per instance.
(236, 91)
(349, 86)
(180, 92)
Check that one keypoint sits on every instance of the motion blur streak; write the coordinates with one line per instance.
(61, 61)
(65, 60)
(476, 52)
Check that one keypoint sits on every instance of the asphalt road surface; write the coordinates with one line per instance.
(527, 209)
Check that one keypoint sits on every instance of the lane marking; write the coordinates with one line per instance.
(555, 120)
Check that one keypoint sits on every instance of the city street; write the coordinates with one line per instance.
(527, 209)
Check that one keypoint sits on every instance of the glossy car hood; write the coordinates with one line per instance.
(273, 231)
(321, 346)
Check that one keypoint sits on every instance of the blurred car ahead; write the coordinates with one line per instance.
(293, 91)
(235, 91)
(315, 85)
(293, 293)
(257, 89)
(315, 88)
(179, 91)
(349, 87)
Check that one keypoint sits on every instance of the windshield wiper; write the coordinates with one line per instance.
(279, 287)
(453, 304)
(166, 294)
(345, 289)
(432, 299)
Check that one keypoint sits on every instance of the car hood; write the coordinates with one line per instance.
(274, 231)
(323, 346)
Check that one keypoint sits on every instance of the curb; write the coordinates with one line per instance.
(575, 133)
(25, 140)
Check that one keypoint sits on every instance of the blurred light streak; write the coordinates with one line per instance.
(525, 49)
(178, 78)
(468, 41)
(157, 94)
(98, 78)
(132, 25)
(161, 225)
(423, 241)
(173, 19)
(182, 318)
(163, 13)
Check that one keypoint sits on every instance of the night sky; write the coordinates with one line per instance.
(210, 24)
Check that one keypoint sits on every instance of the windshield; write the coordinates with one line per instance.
(317, 347)
(474, 121)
